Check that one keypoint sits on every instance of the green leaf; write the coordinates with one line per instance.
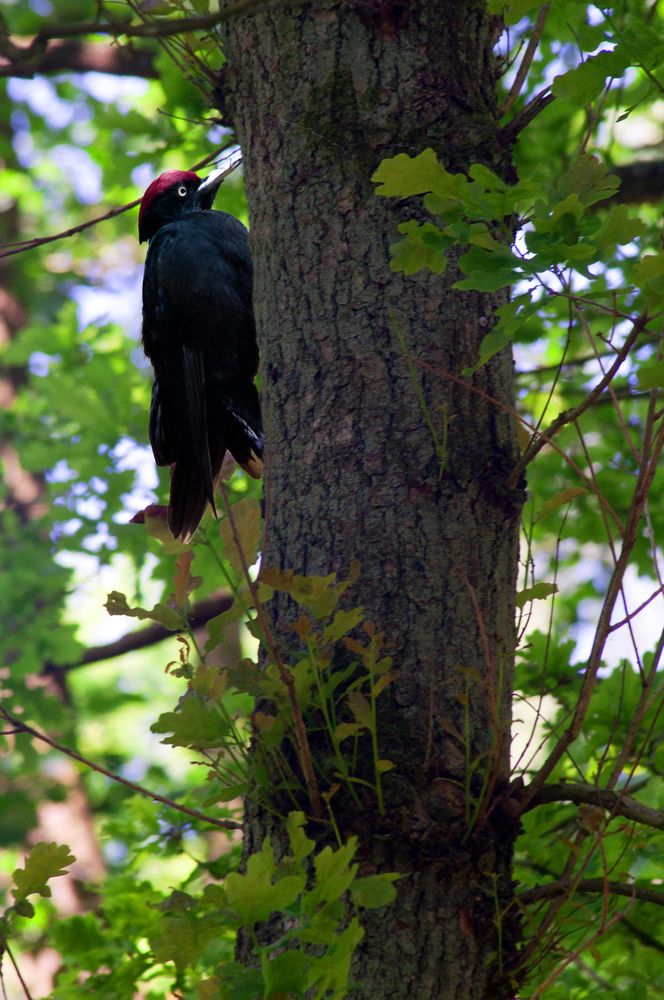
(285, 974)
(619, 228)
(254, 895)
(374, 891)
(513, 11)
(334, 871)
(488, 270)
(44, 862)
(588, 177)
(491, 344)
(538, 592)
(643, 43)
(423, 249)
(79, 935)
(650, 272)
(181, 939)
(584, 83)
(217, 626)
(512, 317)
(402, 176)
(231, 792)
(194, 724)
(300, 844)
(343, 623)
(116, 604)
(318, 593)
(331, 971)
(651, 375)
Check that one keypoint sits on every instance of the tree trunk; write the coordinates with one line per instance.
(318, 96)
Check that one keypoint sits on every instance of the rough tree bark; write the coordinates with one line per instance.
(319, 96)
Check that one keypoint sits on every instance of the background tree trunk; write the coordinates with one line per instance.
(318, 97)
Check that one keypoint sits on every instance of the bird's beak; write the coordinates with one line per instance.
(207, 191)
(212, 182)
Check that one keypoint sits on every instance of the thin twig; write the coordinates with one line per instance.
(23, 727)
(528, 57)
(646, 474)
(639, 712)
(571, 362)
(572, 956)
(564, 888)
(569, 416)
(24, 986)
(637, 611)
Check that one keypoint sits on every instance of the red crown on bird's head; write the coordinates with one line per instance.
(161, 184)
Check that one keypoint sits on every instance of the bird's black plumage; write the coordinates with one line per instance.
(199, 334)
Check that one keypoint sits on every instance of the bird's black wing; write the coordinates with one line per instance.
(198, 332)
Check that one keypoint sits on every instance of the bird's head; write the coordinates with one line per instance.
(173, 194)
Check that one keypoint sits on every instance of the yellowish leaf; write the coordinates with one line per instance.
(302, 627)
(263, 721)
(346, 729)
(383, 682)
(241, 533)
(360, 708)
(182, 578)
(558, 500)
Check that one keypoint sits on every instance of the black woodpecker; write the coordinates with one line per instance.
(200, 336)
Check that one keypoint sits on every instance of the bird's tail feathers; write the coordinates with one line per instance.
(188, 501)
(243, 427)
(190, 494)
(194, 389)
(254, 467)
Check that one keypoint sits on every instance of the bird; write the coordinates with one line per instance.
(199, 334)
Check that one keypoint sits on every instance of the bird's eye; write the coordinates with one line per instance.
(182, 190)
